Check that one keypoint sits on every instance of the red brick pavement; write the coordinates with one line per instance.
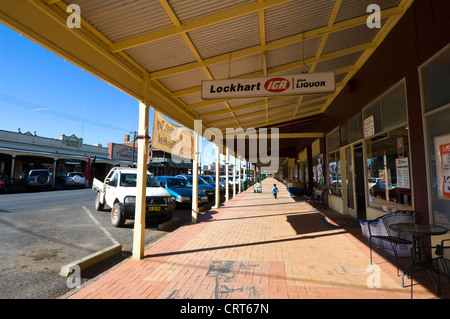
(255, 246)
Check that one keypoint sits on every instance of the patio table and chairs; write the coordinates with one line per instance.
(418, 257)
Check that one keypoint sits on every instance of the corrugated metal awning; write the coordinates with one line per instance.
(161, 50)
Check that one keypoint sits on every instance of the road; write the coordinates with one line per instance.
(42, 231)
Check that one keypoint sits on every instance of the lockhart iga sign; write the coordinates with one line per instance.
(269, 86)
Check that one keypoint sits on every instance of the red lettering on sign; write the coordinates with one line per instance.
(276, 85)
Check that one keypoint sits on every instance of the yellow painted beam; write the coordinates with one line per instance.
(382, 34)
(271, 45)
(196, 24)
(323, 42)
(278, 119)
(262, 121)
(280, 135)
(169, 11)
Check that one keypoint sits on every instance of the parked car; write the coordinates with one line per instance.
(38, 179)
(211, 180)
(202, 185)
(5, 183)
(75, 179)
(181, 190)
(230, 183)
(119, 190)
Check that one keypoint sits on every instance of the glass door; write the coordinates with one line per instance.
(349, 167)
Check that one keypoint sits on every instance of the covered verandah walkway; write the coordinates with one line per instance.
(255, 246)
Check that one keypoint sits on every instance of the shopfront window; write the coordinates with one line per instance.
(334, 171)
(388, 173)
(351, 131)
(387, 148)
(302, 167)
(386, 112)
(333, 140)
(317, 164)
(435, 76)
(435, 79)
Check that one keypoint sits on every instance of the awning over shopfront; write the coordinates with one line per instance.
(160, 51)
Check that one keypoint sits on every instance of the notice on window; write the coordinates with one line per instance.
(402, 169)
(369, 126)
(442, 145)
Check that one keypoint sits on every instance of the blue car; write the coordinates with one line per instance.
(202, 185)
(211, 180)
(181, 189)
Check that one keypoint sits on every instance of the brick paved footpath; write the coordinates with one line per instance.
(255, 246)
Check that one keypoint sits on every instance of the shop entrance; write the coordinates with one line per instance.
(354, 194)
(359, 181)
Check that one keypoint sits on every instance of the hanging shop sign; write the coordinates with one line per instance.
(269, 86)
(171, 138)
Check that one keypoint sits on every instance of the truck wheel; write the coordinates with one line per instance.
(98, 206)
(117, 217)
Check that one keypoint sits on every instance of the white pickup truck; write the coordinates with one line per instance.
(118, 191)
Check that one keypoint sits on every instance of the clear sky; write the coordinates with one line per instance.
(41, 92)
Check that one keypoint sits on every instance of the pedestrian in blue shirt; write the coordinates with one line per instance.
(275, 190)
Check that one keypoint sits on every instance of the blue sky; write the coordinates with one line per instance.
(41, 92)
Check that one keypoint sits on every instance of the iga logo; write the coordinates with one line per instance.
(276, 85)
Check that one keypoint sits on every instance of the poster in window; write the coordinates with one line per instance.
(402, 170)
(382, 178)
(442, 145)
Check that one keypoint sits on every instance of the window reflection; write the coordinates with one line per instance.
(334, 171)
(388, 172)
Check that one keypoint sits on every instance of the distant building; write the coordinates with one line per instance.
(159, 162)
(21, 152)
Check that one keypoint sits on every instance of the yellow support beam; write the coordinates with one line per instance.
(272, 45)
(169, 11)
(196, 24)
(381, 35)
(323, 42)
(280, 135)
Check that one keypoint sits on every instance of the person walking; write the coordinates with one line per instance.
(275, 190)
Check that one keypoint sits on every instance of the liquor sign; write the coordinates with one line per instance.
(269, 86)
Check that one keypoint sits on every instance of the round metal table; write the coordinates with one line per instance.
(418, 231)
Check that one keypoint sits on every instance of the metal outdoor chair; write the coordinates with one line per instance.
(384, 234)
(443, 259)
